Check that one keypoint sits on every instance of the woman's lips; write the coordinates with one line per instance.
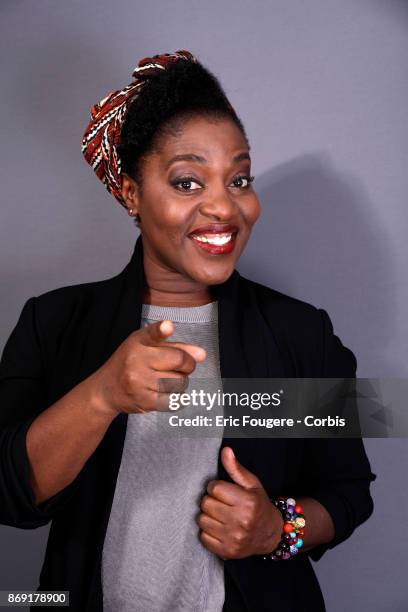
(220, 243)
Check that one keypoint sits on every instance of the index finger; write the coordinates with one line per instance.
(157, 332)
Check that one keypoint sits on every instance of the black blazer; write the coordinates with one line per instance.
(64, 335)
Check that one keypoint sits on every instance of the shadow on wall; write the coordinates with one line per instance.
(318, 240)
(397, 8)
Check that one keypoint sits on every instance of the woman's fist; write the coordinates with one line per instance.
(237, 518)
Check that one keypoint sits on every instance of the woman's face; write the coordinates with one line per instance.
(197, 205)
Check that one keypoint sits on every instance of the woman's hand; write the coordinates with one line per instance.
(238, 519)
(129, 380)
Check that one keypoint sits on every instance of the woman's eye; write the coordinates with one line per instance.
(243, 181)
(189, 183)
(186, 184)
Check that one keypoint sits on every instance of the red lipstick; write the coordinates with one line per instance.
(216, 238)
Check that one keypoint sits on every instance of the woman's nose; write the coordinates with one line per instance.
(219, 204)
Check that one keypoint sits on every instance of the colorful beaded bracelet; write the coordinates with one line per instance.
(292, 530)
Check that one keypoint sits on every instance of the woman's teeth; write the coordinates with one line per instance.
(217, 239)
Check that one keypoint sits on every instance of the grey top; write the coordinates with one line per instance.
(153, 559)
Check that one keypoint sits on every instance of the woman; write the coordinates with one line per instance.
(140, 522)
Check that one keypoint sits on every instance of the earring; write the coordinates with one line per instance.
(130, 211)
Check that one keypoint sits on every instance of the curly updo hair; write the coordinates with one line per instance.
(182, 91)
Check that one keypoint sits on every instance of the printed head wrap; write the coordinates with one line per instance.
(102, 136)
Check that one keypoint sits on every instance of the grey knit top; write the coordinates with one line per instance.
(153, 559)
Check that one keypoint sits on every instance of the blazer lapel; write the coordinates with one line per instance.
(127, 295)
(248, 350)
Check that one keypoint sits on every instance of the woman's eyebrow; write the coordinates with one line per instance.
(186, 157)
(241, 157)
(202, 160)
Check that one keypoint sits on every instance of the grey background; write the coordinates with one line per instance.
(321, 87)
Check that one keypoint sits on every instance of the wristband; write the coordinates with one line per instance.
(292, 530)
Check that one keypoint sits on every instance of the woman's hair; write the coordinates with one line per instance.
(182, 91)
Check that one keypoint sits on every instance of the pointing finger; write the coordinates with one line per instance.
(157, 331)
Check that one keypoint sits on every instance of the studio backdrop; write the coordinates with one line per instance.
(321, 88)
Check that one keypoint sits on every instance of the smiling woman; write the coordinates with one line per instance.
(140, 521)
(187, 178)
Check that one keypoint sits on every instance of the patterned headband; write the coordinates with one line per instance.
(102, 136)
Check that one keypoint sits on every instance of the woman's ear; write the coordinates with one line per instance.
(130, 194)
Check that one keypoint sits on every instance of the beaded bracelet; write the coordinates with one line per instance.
(292, 530)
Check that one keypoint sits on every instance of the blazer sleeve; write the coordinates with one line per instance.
(22, 399)
(337, 472)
